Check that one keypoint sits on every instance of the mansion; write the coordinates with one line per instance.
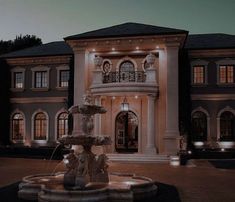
(160, 87)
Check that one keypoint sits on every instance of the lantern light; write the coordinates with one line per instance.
(125, 105)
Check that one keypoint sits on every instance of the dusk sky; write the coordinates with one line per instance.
(51, 20)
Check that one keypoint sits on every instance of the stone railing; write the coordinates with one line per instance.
(124, 76)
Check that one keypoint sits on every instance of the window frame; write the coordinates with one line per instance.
(203, 77)
(59, 69)
(12, 128)
(225, 62)
(40, 69)
(33, 127)
(204, 64)
(226, 74)
(13, 72)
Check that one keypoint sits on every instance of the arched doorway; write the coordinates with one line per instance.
(126, 132)
(126, 71)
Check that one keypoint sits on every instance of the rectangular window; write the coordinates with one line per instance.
(41, 79)
(198, 75)
(226, 74)
(18, 79)
(64, 78)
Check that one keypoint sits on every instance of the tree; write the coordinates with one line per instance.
(20, 42)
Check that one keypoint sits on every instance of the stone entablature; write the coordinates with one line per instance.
(39, 60)
(127, 43)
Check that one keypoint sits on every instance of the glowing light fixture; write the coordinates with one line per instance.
(125, 105)
(137, 48)
(113, 49)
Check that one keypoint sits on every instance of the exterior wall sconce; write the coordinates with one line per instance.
(125, 105)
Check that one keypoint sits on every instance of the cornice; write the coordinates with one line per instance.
(28, 100)
(212, 53)
(216, 97)
(126, 43)
(39, 60)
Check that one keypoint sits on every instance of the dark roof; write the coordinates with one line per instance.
(210, 41)
(53, 48)
(126, 29)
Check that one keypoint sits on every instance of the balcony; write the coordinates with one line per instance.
(124, 81)
(124, 76)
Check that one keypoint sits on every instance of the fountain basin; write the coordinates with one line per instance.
(121, 187)
(96, 140)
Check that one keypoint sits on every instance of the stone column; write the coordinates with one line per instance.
(171, 136)
(150, 142)
(97, 128)
(80, 77)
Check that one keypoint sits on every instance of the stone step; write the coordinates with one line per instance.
(138, 158)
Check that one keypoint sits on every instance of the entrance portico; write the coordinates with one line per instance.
(142, 69)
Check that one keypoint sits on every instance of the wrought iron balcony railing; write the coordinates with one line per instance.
(124, 76)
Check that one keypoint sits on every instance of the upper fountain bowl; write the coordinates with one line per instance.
(87, 109)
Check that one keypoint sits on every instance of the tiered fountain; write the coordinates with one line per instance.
(86, 178)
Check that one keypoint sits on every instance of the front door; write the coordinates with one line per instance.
(126, 132)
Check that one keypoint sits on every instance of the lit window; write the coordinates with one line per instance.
(64, 78)
(198, 74)
(40, 126)
(62, 124)
(18, 79)
(227, 121)
(226, 74)
(17, 127)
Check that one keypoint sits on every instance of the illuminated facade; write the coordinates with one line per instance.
(157, 84)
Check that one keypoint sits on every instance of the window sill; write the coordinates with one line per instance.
(40, 89)
(62, 88)
(199, 85)
(40, 141)
(17, 89)
(226, 85)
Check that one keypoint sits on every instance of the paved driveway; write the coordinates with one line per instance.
(197, 182)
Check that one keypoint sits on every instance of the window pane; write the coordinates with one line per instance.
(17, 127)
(226, 74)
(40, 126)
(64, 78)
(18, 80)
(227, 126)
(62, 124)
(230, 74)
(41, 79)
(198, 75)
(199, 126)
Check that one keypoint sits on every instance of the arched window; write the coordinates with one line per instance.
(127, 71)
(227, 126)
(17, 127)
(62, 124)
(199, 126)
(40, 126)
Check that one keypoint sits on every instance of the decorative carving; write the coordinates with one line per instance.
(98, 62)
(85, 167)
(150, 58)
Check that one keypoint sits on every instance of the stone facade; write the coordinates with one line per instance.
(142, 71)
